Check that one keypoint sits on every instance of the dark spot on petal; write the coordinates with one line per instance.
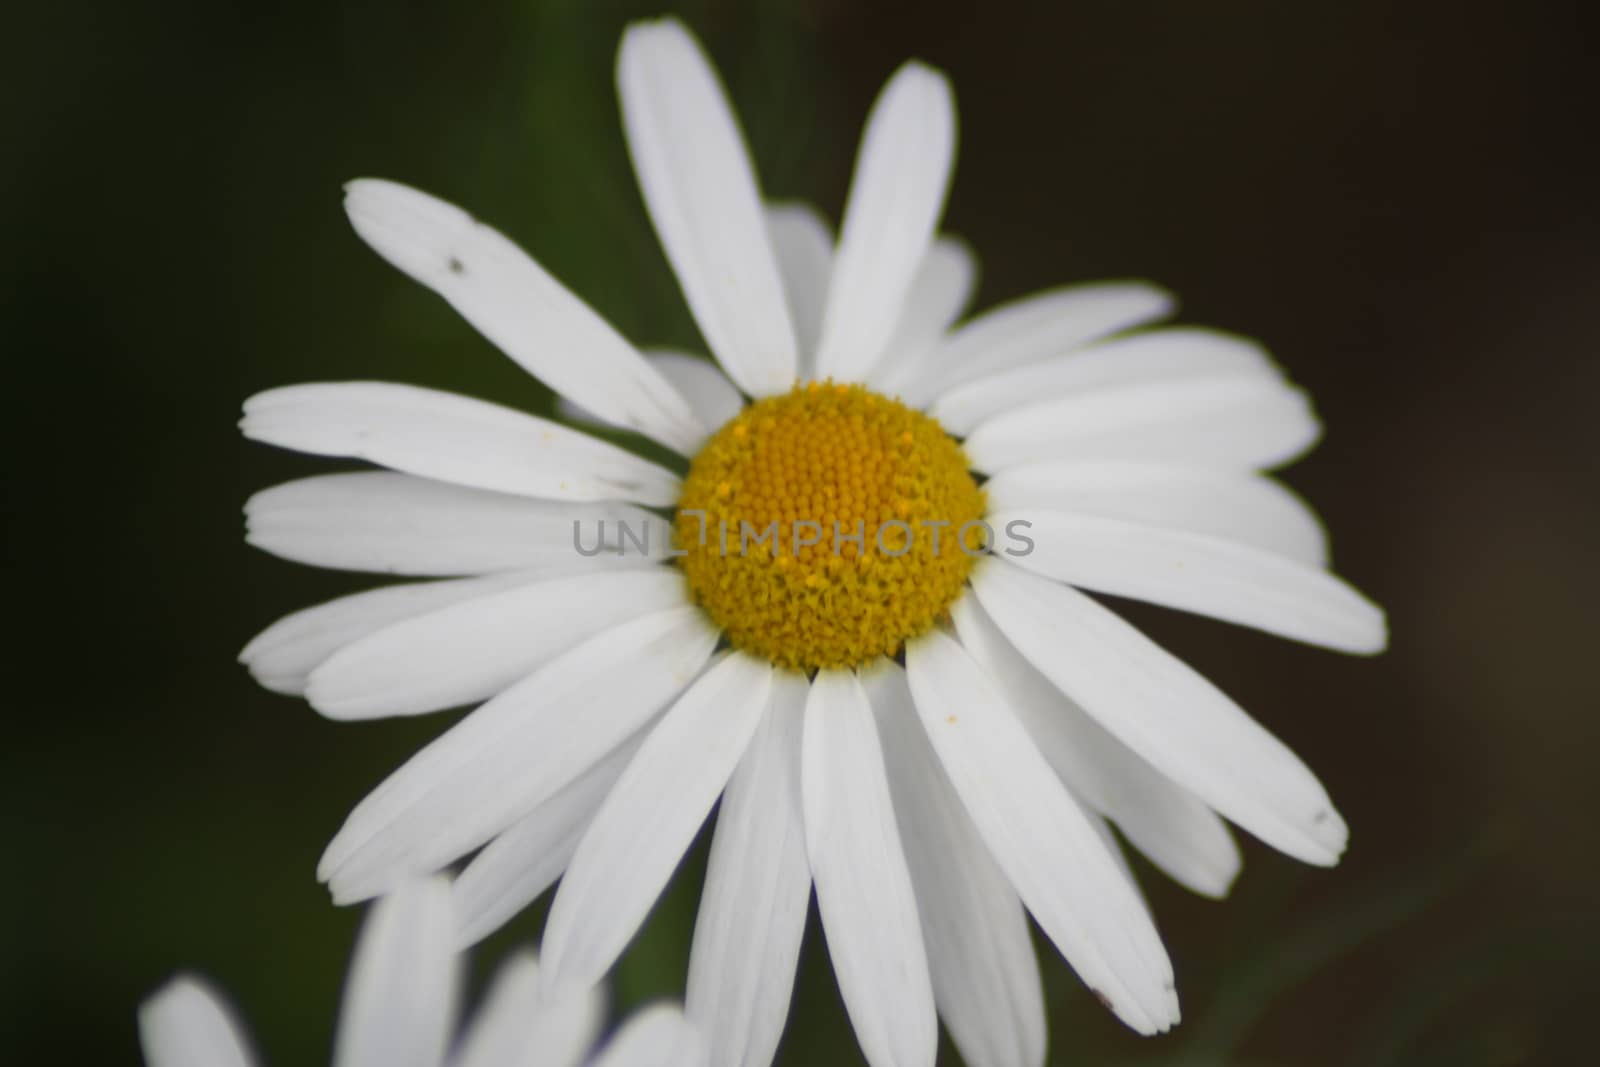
(456, 266)
(1320, 817)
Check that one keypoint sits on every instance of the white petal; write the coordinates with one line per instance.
(710, 395)
(1040, 837)
(516, 751)
(649, 818)
(468, 652)
(1166, 712)
(985, 976)
(1113, 847)
(187, 1023)
(1248, 508)
(519, 307)
(1152, 356)
(657, 1036)
(713, 397)
(1201, 573)
(400, 997)
(389, 523)
(514, 869)
(281, 656)
(453, 439)
(938, 296)
(803, 242)
(701, 190)
(1166, 822)
(522, 1025)
(757, 889)
(1234, 423)
(896, 197)
(864, 893)
(1037, 328)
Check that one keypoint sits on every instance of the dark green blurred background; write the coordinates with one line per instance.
(1399, 199)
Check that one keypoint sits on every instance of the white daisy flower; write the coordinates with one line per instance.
(400, 1004)
(931, 806)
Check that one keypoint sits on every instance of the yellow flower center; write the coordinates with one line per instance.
(828, 525)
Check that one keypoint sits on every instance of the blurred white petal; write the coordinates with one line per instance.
(187, 1023)
(400, 997)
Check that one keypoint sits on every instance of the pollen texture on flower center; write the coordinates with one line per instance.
(827, 526)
